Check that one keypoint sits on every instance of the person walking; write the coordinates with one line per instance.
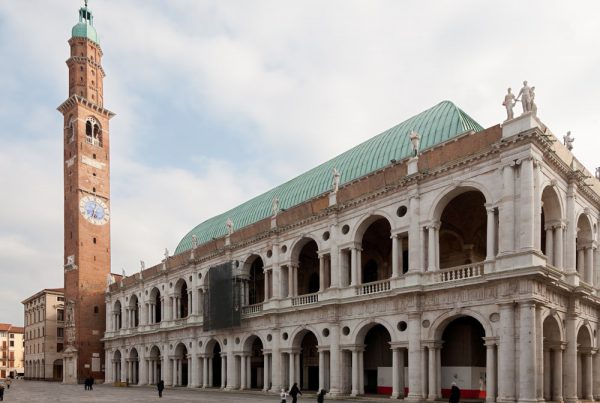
(454, 393)
(91, 383)
(283, 395)
(2, 390)
(160, 386)
(294, 392)
(321, 396)
(8, 382)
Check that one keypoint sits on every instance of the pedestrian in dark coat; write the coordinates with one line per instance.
(454, 393)
(321, 396)
(160, 386)
(86, 383)
(294, 392)
(91, 381)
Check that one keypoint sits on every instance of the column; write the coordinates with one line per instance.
(353, 267)
(354, 391)
(596, 371)
(431, 248)
(395, 373)
(334, 361)
(321, 370)
(292, 369)
(432, 372)
(506, 354)
(266, 373)
(570, 360)
(589, 265)
(539, 351)
(507, 212)
(547, 370)
(588, 379)
(210, 372)
(191, 305)
(195, 372)
(581, 264)
(414, 356)
(414, 236)
(526, 205)
(491, 233)
(276, 366)
(223, 371)
(490, 368)
(107, 366)
(243, 371)
(298, 369)
(290, 281)
(550, 245)
(570, 257)
(205, 370)
(266, 293)
(395, 258)
(558, 246)
(321, 273)
(557, 381)
(527, 352)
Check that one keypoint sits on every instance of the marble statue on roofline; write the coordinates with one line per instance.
(598, 173)
(166, 253)
(415, 141)
(110, 279)
(525, 96)
(194, 241)
(509, 104)
(229, 225)
(568, 141)
(336, 180)
(275, 206)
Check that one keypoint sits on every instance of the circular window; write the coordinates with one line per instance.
(345, 229)
(200, 343)
(325, 235)
(171, 346)
(224, 342)
(269, 253)
(345, 330)
(269, 337)
(402, 210)
(237, 340)
(284, 248)
(495, 317)
(402, 326)
(171, 285)
(146, 292)
(284, 335)
(425, 323)
(190, 344)
(190, 278)
(325, 332)
(199, 276)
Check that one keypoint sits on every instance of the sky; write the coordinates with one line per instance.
(219, 101)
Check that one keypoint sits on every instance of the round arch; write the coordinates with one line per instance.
(249, 340)
(554, 323)
(447, 194)
(552, 203)
(299, 243)
(209, 346)
(436, 330)
(361, 330)
(365, 221)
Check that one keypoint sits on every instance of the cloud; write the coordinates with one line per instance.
(219, 101)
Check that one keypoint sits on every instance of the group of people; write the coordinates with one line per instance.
(295, 391)
(527, 98)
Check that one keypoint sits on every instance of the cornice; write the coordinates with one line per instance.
(79, 100)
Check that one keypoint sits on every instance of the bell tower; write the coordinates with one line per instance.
(86, 142)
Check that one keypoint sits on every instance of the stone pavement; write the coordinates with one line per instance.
(33, 392)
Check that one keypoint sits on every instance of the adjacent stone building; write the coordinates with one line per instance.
(44, 334)
(435, 252)
(11, 350)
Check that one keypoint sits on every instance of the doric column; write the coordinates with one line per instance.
(211, 380)
(123, 367)
(570, 258)
(491, 233)
(506, 210)
(298, 369)
(527, 352)
(243, 371)
(526, 205)
(205, 372)
(266, 373)
(557, 381)
(414, 356)
(321, 370)
(588, 380)
(354, 270)
(550, 245)
(506, 354)
(194, 364)
(334, 361)
(433, 393)
(490, 367)
(276, 367)
(292, 369)
(354, 391)
(395, 373)
(589, 265)
(570, 360)
(223, 371)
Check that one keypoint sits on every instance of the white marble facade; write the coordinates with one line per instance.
(520, 275)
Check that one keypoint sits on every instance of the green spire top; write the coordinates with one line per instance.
(85, 26)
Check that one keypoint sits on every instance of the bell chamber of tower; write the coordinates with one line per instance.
(86, 168)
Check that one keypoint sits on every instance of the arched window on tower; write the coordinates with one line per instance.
(93, 132)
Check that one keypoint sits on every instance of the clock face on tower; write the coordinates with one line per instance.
(94, 210)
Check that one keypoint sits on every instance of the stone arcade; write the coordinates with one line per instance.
(471, 258)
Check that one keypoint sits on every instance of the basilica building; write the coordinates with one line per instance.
(436, 252)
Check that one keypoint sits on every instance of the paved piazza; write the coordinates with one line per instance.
(33, 391)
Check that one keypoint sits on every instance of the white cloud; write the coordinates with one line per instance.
(302, 81)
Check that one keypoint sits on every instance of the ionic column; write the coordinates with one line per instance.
(266, 293)
(205, 370)
(354, 267)
(414, 236)
(550, 245)
(558, 246)
(395, 373)
(570, 258)
(581, 264)
(526, 203)
(321, 273)
(527, 352)
(506, 210)
(589, 265)
(588, 393)
(432, 248)
(395, 258)
(191, 305)
(490, 368)
(432, 372)
(506, 354)
(321, 370)
(491, 233)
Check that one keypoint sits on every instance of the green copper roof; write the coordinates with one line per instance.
(435, 125)
(85, 26)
